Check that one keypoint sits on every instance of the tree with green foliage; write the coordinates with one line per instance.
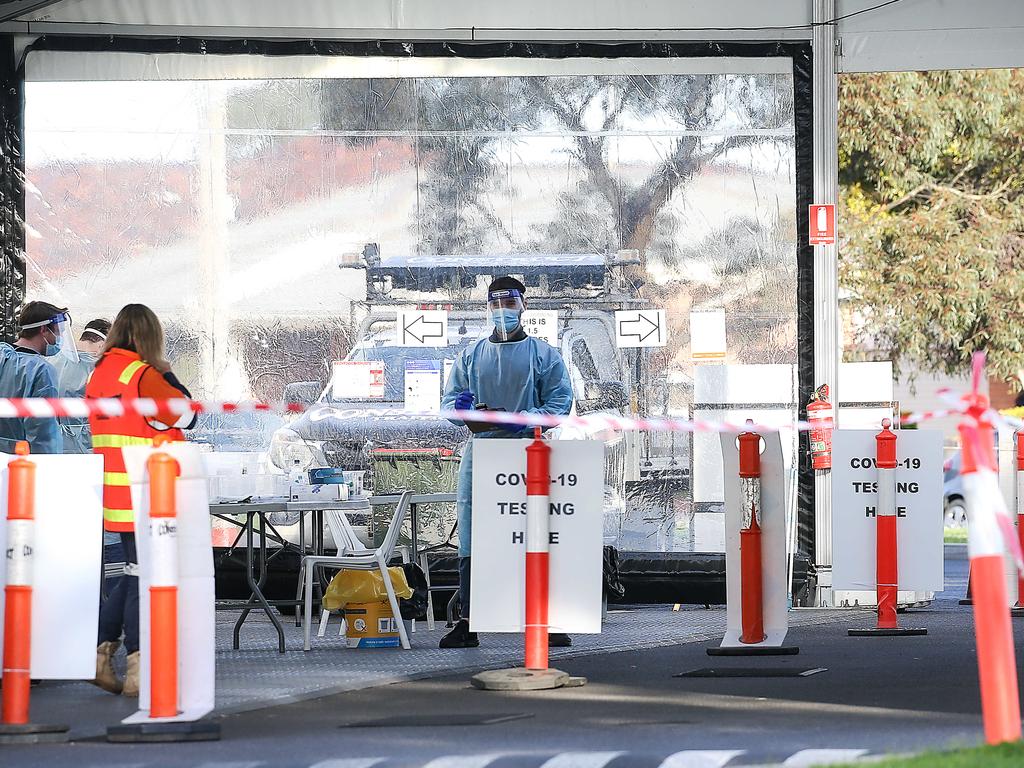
(931, 167)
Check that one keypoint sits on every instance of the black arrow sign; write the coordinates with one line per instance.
(644, 327)
(424, 329)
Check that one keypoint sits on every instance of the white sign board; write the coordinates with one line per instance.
(196, 615)
(357, 379)
(773, 542)
(422, 328)
(542, 323)
(67, 564)
(918, 509)
(499, 536)
(423, 385)
(707, 335)
(640, 328)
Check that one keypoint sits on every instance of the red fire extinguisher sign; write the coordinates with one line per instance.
(822, 226)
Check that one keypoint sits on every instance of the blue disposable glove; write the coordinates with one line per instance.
(517, 428)
(464, 400)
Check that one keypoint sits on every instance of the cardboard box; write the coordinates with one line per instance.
(371, 625)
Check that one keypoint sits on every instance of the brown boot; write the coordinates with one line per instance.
(131, 677)
(106, 676)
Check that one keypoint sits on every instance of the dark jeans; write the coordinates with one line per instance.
(120, 609)
(464, 587)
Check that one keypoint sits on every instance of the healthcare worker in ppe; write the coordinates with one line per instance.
(71, 379)
(45, 331)
(507, 371)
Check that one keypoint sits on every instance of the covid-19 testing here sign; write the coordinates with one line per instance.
(499, 535)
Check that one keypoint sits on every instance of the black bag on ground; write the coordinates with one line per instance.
(416, 606)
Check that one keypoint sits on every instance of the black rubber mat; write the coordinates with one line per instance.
(752, 672)
(437, 721)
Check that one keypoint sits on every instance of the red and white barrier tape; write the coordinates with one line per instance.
(37, 407)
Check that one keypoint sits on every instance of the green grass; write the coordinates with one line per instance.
(1000, 756)
(955, 536)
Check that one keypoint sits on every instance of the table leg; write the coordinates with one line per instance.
(255, 585)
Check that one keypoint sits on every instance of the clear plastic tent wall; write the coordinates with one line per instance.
(278, 212)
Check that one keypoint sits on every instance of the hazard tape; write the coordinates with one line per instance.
(19, 408)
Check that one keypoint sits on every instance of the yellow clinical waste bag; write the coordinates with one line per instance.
(364, 587)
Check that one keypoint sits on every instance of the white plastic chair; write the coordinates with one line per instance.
(352, 555)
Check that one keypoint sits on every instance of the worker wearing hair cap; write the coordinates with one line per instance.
(71, 379)
(507, 371)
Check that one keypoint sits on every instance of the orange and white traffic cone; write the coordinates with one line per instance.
(17, 661)
(538, 537)
(997, 667)
(886, 542)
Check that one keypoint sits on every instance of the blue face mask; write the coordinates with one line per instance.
(506, 320)
(52, 349)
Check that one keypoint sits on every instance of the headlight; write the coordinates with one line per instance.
(288, 451)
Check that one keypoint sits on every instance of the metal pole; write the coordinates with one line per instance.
(827, 347)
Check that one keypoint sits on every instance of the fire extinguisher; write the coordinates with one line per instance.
(819, 414)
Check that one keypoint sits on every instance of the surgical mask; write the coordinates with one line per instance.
(52, 349)
(505, 320)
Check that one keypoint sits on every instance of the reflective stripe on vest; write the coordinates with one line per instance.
(129, 371)
(116, 478)
(118, 441)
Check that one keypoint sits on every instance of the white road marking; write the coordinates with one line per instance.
(349, 762)
(463, 761)
(581, 760)
(700, 758)
(808, 757)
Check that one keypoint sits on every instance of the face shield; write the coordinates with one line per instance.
(505, 311)
(64, 343)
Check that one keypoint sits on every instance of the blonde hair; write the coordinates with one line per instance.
(138, 329)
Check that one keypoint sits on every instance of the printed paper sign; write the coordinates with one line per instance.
(707, 335)
(357, 379)
(640, 328)
(542, 323)
(422, 328)
(423, 385)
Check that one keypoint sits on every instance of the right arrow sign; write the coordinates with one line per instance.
(640, 328)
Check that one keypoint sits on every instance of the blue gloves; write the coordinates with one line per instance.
(517, 428)
(464, 400)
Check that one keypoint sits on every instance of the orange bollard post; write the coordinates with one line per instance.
(1018, 608)
(997, 667)
(17, 659)
(751, 566)
(886, 541)
(163, 588)
(538, 487)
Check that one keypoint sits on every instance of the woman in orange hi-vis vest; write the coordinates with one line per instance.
(132, 366)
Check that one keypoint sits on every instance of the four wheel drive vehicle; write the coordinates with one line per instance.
(422, 452)
(954, 506)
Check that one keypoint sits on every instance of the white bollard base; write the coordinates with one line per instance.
(519, 679)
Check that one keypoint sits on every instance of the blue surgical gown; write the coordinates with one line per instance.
(27, 375)
(527, 376)
(71, 377)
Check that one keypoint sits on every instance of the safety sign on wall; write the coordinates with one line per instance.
(822, 225)
(422, 328)
(499, 535)
(919, 517)
(357, 379)
(542, 323)
(640, 328)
